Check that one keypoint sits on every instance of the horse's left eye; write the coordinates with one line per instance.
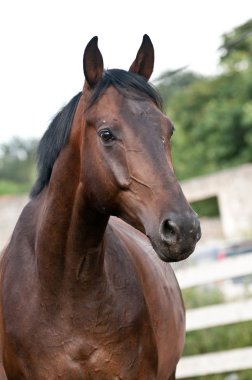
(106, 135)
(172, 130)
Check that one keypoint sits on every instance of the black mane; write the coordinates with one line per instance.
(52, 142)
(56, 136)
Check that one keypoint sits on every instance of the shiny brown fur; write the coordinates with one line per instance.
(83, 294)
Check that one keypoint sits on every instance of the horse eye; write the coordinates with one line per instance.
(106, 135)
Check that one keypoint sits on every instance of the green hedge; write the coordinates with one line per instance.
(220, 338)
(9, 187)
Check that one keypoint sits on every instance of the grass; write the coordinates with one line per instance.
(218, 338)
(11, 188)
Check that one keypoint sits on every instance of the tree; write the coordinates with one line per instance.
(172, 81)
(17, 163)
(236, 49)
(213, 121)
(213, 116)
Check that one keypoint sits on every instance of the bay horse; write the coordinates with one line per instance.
(87, 291)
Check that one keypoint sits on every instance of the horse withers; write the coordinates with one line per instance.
(87, 291)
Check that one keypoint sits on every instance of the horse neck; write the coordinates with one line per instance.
(70, 235)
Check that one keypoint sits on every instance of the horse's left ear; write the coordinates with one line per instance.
(92, 62)
(144, 61)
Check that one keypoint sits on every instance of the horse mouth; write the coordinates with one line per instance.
(171, 258)
(173, 253)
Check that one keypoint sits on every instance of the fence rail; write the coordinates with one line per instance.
(216, 271)
(216, 315)
(214, 363)
(219, 315)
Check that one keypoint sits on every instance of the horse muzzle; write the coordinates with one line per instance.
(177, 236)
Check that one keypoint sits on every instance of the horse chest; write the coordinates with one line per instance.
(116, 343)
(108, 338)
(115, 352)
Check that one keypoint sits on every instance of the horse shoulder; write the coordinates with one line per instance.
(146, 262)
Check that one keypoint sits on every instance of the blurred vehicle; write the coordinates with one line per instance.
(238, 285)
(219, 251)
(206, 253)
(240, 248)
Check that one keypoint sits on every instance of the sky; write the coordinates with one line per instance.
(42, 44)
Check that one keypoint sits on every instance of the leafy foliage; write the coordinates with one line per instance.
(213, 119)
(213, 116)
(17, 166)
(199, 297)
(9, 187)
(207, 207)
(218, 338)
(236, 50)
(172, 81)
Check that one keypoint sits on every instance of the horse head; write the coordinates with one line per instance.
(127, 153)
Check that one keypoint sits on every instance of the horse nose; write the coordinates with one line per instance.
(169, 231)
(175, 228)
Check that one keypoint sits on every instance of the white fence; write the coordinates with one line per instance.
(216, 315)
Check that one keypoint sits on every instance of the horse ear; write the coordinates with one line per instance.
(144, 61)
(92, 62)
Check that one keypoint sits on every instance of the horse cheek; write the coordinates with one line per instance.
(119, 171)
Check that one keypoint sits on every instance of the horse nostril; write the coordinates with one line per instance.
(169, 232)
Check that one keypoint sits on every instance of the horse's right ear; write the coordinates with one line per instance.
(92, 62)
